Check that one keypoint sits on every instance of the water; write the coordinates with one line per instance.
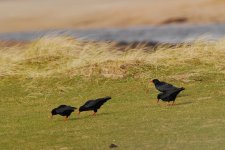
(172, 33)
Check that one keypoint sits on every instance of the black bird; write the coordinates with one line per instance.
(63, 110)
(113, 146)
(169, 95)
(94, 104)
(163, 86)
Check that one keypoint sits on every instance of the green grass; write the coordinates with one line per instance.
(131, 119)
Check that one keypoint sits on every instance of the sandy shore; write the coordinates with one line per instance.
(29, 15)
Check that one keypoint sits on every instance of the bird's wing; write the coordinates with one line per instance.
(169, 95)
(96, 103)
(64, 109)
(176, 92)
(89, 103)
(68, 111)
(163, 86)
(104, 99)
(100, 101)
(164, 95)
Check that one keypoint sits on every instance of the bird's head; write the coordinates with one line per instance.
(155, 81)
(54, 112)
(81, 109)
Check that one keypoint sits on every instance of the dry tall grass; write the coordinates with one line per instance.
(63, 56)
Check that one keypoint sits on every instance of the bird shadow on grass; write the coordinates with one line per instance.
(165, 104)
(184, 103)
(88, 116)
(175, 104)
(183, 95)
(85, 116)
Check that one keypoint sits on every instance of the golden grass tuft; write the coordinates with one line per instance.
(65, 56)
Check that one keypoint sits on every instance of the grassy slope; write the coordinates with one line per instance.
(33, 83)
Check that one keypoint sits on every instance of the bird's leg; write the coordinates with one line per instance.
(78, 113)
(173, 103)
(168, 103)
(158, 101)
(66, 118)
(94, 114)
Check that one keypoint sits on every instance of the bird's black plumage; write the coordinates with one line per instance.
(113, 146)
(63, 110)
(94, 104)
(168, 91)
(163, 86)
(169, 95)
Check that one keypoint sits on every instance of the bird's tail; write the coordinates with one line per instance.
(182, 88)
(74, 108)
(107, 98)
